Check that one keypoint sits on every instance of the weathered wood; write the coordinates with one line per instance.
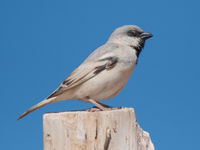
(101, 130)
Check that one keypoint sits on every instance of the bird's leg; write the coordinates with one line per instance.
(104, 105)
(99, 105)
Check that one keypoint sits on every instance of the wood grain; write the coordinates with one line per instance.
(100, 130)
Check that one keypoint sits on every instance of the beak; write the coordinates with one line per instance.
(145, 35)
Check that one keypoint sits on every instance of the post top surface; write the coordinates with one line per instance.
(113, 110)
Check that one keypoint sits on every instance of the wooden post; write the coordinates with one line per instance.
(100, 130)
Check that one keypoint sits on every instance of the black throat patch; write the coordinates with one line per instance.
(138, 48)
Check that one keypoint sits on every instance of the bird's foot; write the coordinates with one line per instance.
(93, 109)
(96, 109)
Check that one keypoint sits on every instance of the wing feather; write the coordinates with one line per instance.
(83, 73)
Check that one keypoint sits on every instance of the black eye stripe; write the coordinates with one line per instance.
(133, 33)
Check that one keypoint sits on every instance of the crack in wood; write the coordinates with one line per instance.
(96, 135)
(108, 139)
(85, 137)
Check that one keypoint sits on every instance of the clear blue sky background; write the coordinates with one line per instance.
(43, 41)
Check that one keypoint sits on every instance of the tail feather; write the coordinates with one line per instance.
(37, 106)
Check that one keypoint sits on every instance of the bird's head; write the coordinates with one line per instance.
(130, 35)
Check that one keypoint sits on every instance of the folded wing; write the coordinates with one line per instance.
(85, 72)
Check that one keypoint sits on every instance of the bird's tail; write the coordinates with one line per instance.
(37, 106)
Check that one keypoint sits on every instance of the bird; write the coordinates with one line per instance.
(104, 72)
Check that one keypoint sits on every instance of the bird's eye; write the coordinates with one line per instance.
(131, 33)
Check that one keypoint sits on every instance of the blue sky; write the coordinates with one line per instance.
(41, 42)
